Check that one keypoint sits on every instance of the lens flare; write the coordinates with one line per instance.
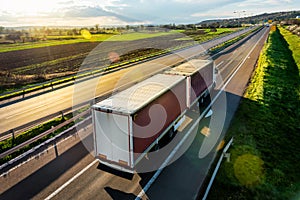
(248, 169)
(86, 34)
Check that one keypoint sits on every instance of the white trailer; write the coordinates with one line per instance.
(128, 124)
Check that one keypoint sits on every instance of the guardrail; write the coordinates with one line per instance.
(217, 168)
(24, 127)
(34, 139)
(47, 142)
(104, 69)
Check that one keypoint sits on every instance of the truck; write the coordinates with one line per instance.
(130, 123)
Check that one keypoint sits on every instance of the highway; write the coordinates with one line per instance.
(32, 109)
(75, 175)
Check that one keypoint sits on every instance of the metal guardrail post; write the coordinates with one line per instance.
(62, 115)
(55, 149)
(12, 135)
(217, 168)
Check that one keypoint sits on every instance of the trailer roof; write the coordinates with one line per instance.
(188, 68)
(137, 96)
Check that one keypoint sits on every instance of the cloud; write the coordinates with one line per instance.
(210, 15)
(87, 12)
(264, 4)
(173, 11)
(78, 14)
(66, 2)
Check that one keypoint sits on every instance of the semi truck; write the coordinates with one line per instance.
(130, 123)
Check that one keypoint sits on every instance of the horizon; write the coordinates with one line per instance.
(111, 26)
(75, 13)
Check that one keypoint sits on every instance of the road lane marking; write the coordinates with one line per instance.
(70, 180)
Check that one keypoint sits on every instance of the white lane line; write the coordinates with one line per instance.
(71, 180)
(24, 112)
(158, 172)
(218, 65)
(233, 74)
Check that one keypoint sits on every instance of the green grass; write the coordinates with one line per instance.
(294, 44)
(226, 44)
(207, 34)
(138, 36)
(221, 31)
(265, 156)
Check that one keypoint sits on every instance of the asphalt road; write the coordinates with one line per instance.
(26, 111)
(180, 180)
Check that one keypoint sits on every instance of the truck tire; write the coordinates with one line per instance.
(171, 133)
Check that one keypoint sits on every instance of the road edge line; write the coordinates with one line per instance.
(70, 180)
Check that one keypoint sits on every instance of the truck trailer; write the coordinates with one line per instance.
(130, 123)
(126, 124)
(200, 77)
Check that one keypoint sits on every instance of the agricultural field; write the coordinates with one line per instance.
(264, 161)
(202, 35)
(28, 66)
(64, 40)
(28, 63)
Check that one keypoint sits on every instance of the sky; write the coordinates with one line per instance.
(15, 13)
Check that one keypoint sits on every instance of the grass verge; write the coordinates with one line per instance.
(265, 156)
(226, 44)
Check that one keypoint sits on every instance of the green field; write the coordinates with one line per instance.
(138, 36)
(51, 42)
(202, 35)
(264, 161)
(294, 44)
(62, 40)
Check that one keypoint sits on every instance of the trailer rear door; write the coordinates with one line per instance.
(112, 137)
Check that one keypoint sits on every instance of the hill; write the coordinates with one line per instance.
(256, 19)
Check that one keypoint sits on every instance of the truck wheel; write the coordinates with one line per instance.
(201, 101)
(156, 147)
(171, 133)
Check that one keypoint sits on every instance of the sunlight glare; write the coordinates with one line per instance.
(29, 7)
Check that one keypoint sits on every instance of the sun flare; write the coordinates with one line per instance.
(30, 7)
